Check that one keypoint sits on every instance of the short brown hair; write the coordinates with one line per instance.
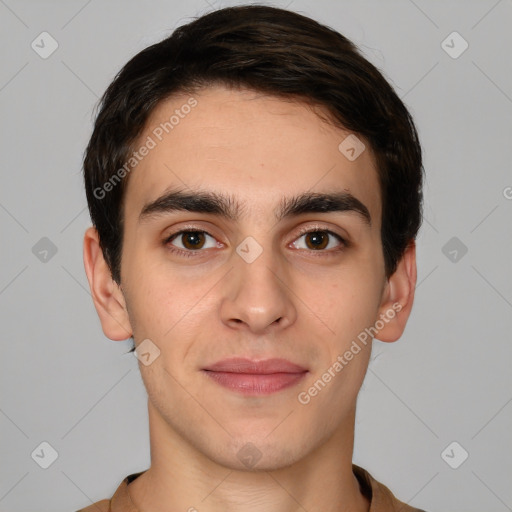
(277, 52)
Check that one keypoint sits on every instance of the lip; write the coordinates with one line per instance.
(251, 377)
(264, 367)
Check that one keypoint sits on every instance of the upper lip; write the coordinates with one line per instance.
(263, 367)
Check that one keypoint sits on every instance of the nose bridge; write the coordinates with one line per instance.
(257, 295)
(257, 267)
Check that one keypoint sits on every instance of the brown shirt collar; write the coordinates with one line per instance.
(380, 497)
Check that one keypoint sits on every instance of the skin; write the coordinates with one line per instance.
(293, 302)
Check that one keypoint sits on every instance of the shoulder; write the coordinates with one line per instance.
(120, 501)
(99, 506)
(381, 498)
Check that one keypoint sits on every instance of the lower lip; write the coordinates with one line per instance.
(256, 384)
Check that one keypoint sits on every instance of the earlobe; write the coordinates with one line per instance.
(106, 293)
(398, 297)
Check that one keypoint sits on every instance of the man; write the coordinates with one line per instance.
(255, 189)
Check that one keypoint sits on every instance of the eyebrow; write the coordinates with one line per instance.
(229, 208)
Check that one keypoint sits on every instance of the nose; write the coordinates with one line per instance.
(257, 296)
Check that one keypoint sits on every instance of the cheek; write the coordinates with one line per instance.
(165, 304)
(349, 300)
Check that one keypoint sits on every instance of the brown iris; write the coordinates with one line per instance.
(317, 240)
(192, 239)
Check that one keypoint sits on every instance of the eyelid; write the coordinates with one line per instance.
(311, 228)
(186, 228)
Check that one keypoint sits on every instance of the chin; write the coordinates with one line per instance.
(257, 454)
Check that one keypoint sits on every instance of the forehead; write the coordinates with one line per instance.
(250, 145)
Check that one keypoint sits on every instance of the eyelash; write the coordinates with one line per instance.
(190, 253)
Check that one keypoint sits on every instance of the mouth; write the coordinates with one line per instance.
(250, 377)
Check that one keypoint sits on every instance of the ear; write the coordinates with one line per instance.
(106, 293)
(398, 297)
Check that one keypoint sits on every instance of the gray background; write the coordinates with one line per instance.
(448, 378)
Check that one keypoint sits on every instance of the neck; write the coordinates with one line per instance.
(183, 478)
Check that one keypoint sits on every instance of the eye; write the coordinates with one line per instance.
(192, 240)
(319, 240)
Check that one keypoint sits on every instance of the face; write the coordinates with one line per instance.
(249, 234)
